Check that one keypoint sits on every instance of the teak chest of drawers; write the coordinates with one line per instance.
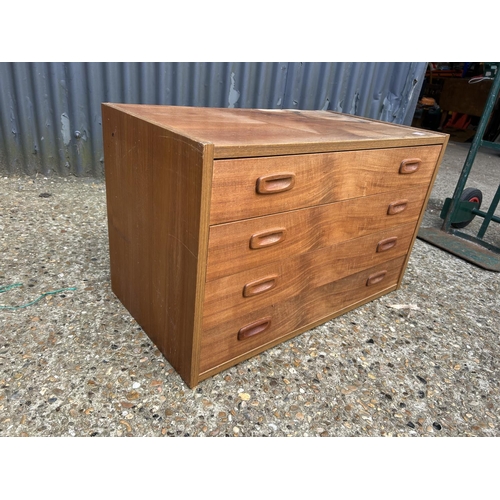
(232, 230)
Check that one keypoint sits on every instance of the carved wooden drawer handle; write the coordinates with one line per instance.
(387, 244)
(409, 166)
(375, 278)
(259, 286)
(397, 207)
(254, 328)
(266, 239)
(275, 183)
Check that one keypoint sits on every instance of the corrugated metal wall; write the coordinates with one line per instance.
(50, 113)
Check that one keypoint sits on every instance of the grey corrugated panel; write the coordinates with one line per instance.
(24, 115)
(385, 91)
(58, 99)
(8, 145)
(50, 113)
(46, 133)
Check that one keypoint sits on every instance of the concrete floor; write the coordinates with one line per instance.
(421, 361)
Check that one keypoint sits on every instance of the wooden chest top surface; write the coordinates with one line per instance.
(240, 132)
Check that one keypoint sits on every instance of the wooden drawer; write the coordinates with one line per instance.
(229, 297)
(237, 246)
(251, 187)
(221, 342)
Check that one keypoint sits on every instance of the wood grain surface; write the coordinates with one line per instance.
(158, 227)
(318, 179)
(239, 133)
(225, 298)
(220, 343)
(306, 229)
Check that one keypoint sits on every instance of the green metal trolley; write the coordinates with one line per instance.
(465, 205)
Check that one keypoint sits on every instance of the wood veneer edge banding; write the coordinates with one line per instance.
(234, 152)
(204, 232)
(424, 206)
(232, 362)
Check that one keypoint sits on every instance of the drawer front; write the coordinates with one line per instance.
(238, 246)
(229, 297)
(253, 187)
(250, 330)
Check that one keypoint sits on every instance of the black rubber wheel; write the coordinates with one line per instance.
(474, 196)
